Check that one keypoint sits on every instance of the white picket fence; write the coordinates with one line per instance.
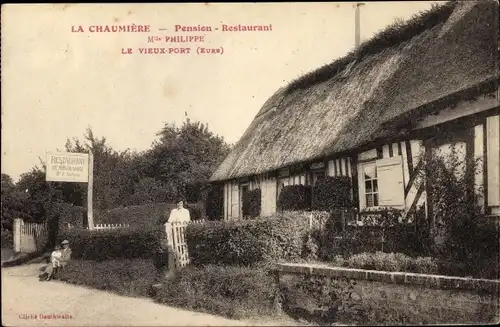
(29, 237)
(177, 241)
(103, 226)
(110, 226)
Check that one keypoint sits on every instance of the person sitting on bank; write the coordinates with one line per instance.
(66, 253)
(56, 256)
(179, 214)
(59, 258)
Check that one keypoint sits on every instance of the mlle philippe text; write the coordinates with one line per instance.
(173, 40)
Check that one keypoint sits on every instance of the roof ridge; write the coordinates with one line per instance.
(393, 35)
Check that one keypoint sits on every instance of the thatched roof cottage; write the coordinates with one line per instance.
(415, 87)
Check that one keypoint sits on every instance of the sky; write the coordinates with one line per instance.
(56, 83)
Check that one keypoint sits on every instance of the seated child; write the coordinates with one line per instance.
(56, 256)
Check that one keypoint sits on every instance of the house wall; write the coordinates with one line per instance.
(339, 167)
(398, 164)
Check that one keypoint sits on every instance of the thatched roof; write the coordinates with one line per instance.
(344, 105)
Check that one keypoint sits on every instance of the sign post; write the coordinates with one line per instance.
(73, 168)
(90, 189)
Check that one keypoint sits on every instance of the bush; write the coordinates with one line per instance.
(215, 202)
(70, 214)
(332, 193)
(461, 233)
(125, 277)
(122, 243)
(246, 242)
(251, 203)
(7, 239)
(357, 239)
(389, 262)
(295, 198)
(148, 215)
(234, 292)
(196, 210)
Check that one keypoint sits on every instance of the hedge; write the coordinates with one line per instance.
(251, 203)
(247, 242)
(215, 202)
(150, 215)
(295, 198)
(332, 193)
(357, 239)
(7, 239)
(122, 243)
(389, 262)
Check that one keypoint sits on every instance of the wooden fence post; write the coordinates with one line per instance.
(17, 234)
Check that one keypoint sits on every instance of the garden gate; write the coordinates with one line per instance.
(29, 237)
(177, 241)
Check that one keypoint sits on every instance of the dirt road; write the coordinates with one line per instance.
(28, 302)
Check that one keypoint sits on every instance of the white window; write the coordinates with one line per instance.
(381, 183)
(371, 185)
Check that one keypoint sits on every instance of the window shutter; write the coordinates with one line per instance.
(390, 182)
(235, 200)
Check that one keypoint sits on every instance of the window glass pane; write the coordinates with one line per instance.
(375, 185)
(368, 187)
(370, 172)
(369, 200)
(375, 199)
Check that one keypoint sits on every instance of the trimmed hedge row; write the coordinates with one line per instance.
(388, 262)
(123, 243)
(247, 242)
(358, 239)
(153, 214)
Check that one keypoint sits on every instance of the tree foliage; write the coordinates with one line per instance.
(178, 164)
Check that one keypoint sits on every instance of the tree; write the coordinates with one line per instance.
(13, 202)
(187, 156)
(115, 173)
(150, 190)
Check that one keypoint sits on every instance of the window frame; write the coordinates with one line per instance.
(362, 188)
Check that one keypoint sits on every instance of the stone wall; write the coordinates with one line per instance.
(376, 297)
